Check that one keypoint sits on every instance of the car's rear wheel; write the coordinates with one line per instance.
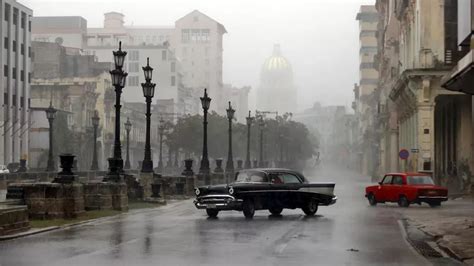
(212, 213)
(276, 210)
(434, 204)
(248, 207)
(311, 207)
(403, 202)
(372, 200)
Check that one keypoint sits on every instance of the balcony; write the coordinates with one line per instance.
(461, 77)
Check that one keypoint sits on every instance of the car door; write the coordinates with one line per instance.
(384, 189)
(292, 183)
(396, 188)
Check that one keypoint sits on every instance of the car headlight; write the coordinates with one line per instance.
(197, 191)
(231, 190)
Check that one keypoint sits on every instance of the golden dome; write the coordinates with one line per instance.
(276, 62)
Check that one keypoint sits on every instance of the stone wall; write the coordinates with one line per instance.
(52, 200)
(97, 196)
(13, 219)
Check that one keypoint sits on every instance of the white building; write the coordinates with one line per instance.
(15, 89)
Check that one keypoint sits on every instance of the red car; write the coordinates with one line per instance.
(406, 188)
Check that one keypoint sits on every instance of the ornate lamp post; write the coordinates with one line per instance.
(51, 115)
(148, 92)
(128, 127)
(229, 167)
(248, 163)
(161, 131)
(118, 81)
(261, 123)
(95, 124)
(205, 102)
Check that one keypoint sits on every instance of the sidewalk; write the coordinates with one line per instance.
(451, 225)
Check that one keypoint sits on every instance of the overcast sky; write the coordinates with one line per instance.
(318, 37)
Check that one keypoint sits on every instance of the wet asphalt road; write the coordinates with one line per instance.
(178, 234)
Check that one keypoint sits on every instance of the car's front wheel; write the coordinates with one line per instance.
(403, 202)
(212, 213)
(311, 207)
(248, 208)
(276, 210)
(372, 200)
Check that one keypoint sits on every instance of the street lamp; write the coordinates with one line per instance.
(51, 115)
(161, 131)
(118, 77)
(229, 167)
(148, 93)
(261, 123)
(95, 124)
(250, 119)
(128, 127)
(205, 102)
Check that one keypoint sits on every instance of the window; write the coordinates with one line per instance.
(22, 49)
(29, 77)
(29, 52)
(14, 46)
(133, 67)
(163, 55)
(251, 176)
(173, 81)
(5, 70)
(397, 180)
(15, 16)
(420, 180)
(289, 178)
(387, 180)
(14, 73)
(173, 66)
(184, 35)
(133, 81)
(22, 101)
(195, 35)
(134, 55)
(23, 20)
(14, 99)
(22, 75)
(5, 43)
(7, 12)
(29, 26)
(205, 35)
(5, 98)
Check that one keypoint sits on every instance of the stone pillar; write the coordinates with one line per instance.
(425, 128)
(146, 179)
(119, 196)
(394, 149)
(190, 178)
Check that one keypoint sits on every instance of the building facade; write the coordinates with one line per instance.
(417, 47)
(365, 102)
(15, 90)
(65, 31)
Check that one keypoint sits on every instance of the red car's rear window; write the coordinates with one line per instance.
(420, 180)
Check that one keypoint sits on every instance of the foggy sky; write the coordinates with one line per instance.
(319, 37)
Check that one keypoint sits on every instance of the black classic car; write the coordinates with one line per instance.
(265, 189)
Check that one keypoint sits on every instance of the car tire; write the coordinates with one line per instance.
(248, 207)
(372, 200)
(434, 204)
(403, 202)
(311, 207)
(212, 213)
(276, 210)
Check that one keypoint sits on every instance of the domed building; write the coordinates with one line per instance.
(277, 91)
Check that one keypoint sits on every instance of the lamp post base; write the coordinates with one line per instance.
(115, 169)
(147, 166)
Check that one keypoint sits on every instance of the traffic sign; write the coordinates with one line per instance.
(403, 154)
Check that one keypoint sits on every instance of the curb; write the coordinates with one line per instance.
(66, 226)
(29, 233)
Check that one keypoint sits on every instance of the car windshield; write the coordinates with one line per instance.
(251, 176)
(420, 180)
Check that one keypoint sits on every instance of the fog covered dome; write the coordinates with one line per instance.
(277, 91)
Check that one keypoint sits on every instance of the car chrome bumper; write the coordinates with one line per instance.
(333, 200)
(219, 202)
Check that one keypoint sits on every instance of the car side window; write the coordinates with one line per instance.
(387, 180)
(276, 179)
(397, 180)
(289, 178)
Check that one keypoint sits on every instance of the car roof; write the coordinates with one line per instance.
(409, 173)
